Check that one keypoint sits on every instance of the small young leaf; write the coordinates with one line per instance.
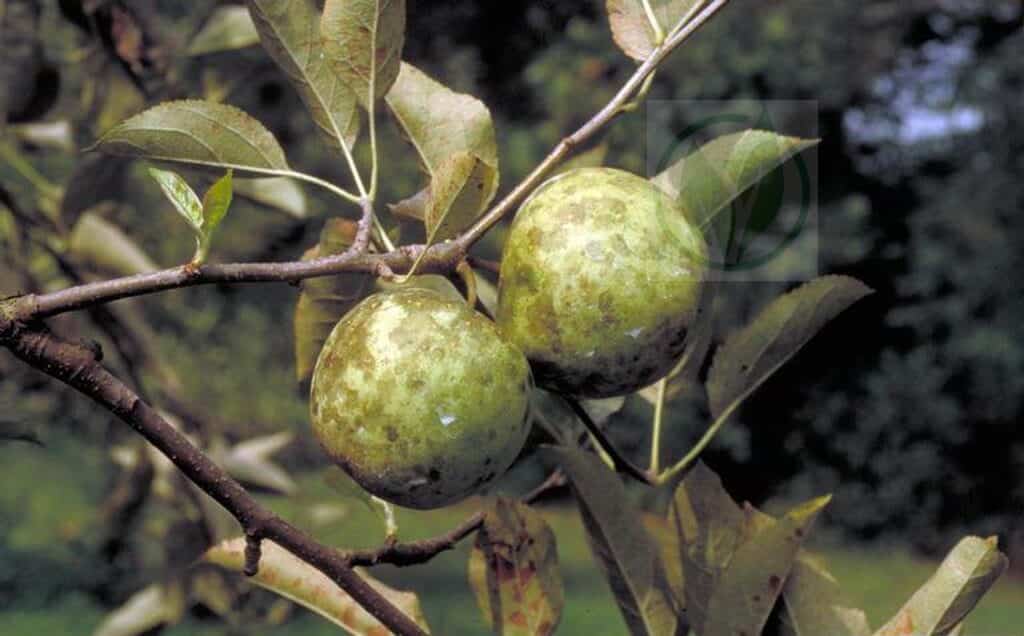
(627, 555)
(216, 202)
(710, 179)
(229, 28)
(182, 196)
(284, 573)
(363, 40)
(753, 354)
(513, 569)
(198, 134)
(942, 603)
(290, 33)
(812, 604)
(632, 29)
(102, 246)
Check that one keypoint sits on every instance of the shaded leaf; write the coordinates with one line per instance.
(812, 604)
(186, 202)
(146, 610)
(290, 33)
(458, 193)
(280, 194)
(94, 179)
(251, 462)
(627, 555)
(19, 25)
(667, 540)
(942, 603)
(551, 413)
(513, 569)
(283, 573)
(229, 28)
(103, 247)
(709, 180)
(198, 134)
(632, 29)
(323, 301)
(363, 40)
(753, 354)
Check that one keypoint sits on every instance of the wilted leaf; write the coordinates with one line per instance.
(251, 462)
(290, 32)
(198, 134)
(513, 570)
(363, 40)
(709, 180)
(186, 202)
(229, 28)
(621, 545)
(632, 28)
(324, 301)
(753, 354)
(148, 609)
(279, 194)
(812, 604)
(735, 561)
(283, 573)
(102, 246)
(942, 603)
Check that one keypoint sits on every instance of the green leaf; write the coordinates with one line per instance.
(735, 561)
(627, 555)
(942, 603)
(229, 28)
(290, 33)
(709, 180)
(363, 40)
(323, 301)
(198, 134)
(513, 569)
(279, 193)
(103, 247)
(285, 574)
(458, 193)
(182, 196)
(812, 603)
(753, 354)
(216, 203)
(632, 29)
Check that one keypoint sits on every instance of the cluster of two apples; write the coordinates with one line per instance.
(423, 401)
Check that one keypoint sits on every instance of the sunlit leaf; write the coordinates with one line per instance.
(198, 134)
(283, 573)
(709, 180)
(753, 354)
(812, 604)
(513, 569)
(146, 610)
(632, 28)
(363, 40)
(216, 203)
(103, 247)
(942, 603)
(628, 557)
(279, 194)
(229, 28)
(186, 202)
(290, 32)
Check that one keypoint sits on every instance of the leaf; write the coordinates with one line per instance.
(216, 202)
(626, 553)
(94, 179)
(735, 561)
(229, 28)
(551, 413)
(283, 573)
(667, 540)
(145, 611)
(198, 134)
(513, 569)
(709, 180)
(102, 246)
(250, 462)
(363, 40)
(181, 195)
(753, 354)
(942, 603)
(323, 301)
(812, 604)
(290, 33)
(458, 193)
(279, 194)
(632, 29)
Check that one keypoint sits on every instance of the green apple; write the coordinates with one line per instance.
(601, 279)
(419, 398)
